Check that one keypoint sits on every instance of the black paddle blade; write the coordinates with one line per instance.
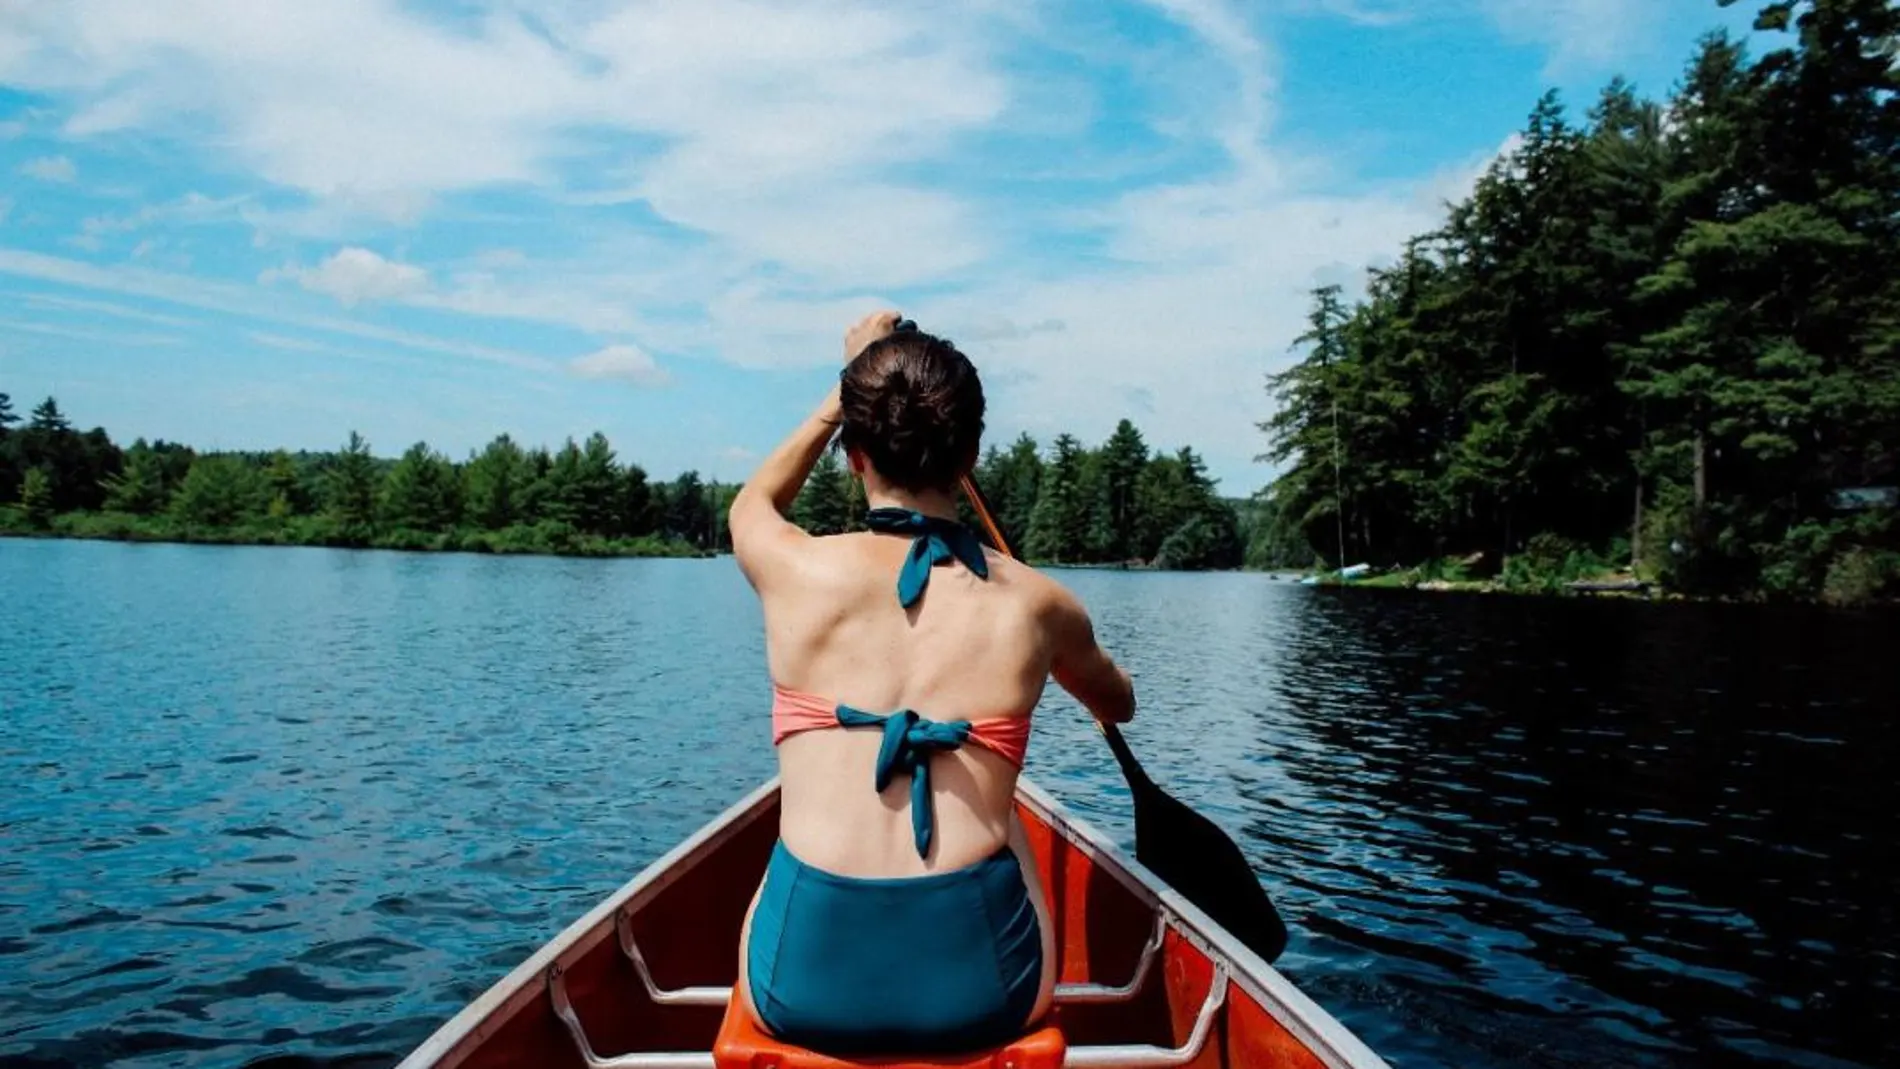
(1192, 855)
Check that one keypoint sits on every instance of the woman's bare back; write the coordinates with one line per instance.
(970, 649)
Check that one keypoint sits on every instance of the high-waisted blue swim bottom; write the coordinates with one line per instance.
(949, 962)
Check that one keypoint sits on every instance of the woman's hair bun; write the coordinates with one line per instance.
(913, 406)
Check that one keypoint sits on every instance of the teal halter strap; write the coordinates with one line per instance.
(935, 541)
(909, 740)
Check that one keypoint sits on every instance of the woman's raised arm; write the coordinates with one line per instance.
(761, 533)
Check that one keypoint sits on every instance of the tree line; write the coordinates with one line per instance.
(1667, 335)
(579, 499)
(1117, 503)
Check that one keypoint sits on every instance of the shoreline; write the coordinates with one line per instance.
(1402, 580)
(1407, 580)
(511, 542)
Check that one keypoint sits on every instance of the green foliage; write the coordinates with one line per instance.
(162, 491)
(823, 506)
(350, 490)
(637, 518)
(36, 497)
(48, 417)
(582, 487)
(1011, 480)
(1670, 332)
(1272, 540)
(76, 466)
(1059, 523)
(1113, 504)
(423, 492)
(219, 491)
(1209, 539)
(688, 512)
(284, 487)
(9, 472)
(1859, 576)
(495, 483)
(139, 487)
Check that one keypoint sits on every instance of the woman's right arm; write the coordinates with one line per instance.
(1081, 667)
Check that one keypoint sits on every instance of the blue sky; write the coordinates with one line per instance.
(249, 223)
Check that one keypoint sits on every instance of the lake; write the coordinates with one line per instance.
(296, 807)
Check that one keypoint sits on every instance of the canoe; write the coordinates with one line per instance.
(643, 980)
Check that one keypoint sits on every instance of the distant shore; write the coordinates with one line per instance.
(540, 540)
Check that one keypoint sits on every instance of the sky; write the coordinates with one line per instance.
(244, 224)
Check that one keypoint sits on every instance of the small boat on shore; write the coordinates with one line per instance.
(643, 981)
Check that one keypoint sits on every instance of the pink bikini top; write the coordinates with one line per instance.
(795, 711)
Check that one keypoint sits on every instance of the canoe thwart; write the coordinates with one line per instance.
(1065, 994)
(1086, 994)
(564, 1009)
(1145, 1056)
(679, 996)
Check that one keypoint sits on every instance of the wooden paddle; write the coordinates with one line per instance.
(1187, 851)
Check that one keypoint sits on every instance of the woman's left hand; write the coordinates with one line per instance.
(876, 326)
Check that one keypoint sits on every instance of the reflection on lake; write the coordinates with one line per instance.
(305, 804)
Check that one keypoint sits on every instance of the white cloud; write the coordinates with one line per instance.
(105, 308)
(58, 169)
(623, 363)
(83, 334)
(287, 343)
(242, 301)
(1579, 33)
(11, 129)
(1367, 12)
(353, 275)
(368, 102)
(501, 258)
(6, 209)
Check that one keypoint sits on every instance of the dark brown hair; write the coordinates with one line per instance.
(913, 406)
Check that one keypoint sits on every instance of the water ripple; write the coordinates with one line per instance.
(293, 808)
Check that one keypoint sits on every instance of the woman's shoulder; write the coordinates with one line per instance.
(1039, 592)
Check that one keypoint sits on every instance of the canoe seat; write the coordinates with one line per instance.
(742, 1045)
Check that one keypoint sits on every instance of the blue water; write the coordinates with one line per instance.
(287, 806)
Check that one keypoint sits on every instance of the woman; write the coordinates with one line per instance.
(901, 912)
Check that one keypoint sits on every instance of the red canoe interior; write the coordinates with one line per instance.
(688, 933)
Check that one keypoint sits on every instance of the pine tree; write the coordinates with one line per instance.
(823, 505)
(139, 487)
(493, 484)
(219, 491)
(638, 517)
(284, 487)
(596, 490)
(36, 496)
(48, 417)
(422, 492)
(689, 515)
(537, 488)
(565, 502)
(1058, 526)
(351, 488)
(1123, 457)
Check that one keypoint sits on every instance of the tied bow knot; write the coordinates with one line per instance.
(935, 541)
(909, 742)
